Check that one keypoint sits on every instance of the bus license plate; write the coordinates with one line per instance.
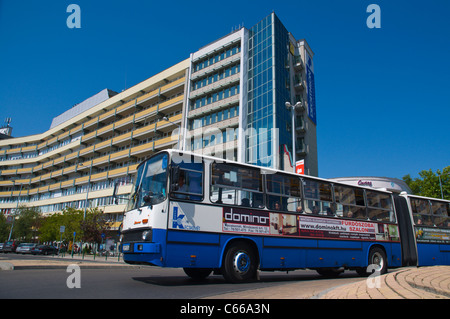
(126, 247)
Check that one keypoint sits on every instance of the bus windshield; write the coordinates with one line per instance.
(151, 182)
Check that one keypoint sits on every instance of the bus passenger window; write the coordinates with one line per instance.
(421, 210)
(350, 202)
(187, 181)
(236, 185)
(440, 214)
(283, 192)
(319, 199)
(420, 206)
(380, 206)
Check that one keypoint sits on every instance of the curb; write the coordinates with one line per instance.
(62, 264)
(431, 282)
(6, 266)
(83, 266)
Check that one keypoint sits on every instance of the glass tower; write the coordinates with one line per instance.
(268, 91)
(237, 94)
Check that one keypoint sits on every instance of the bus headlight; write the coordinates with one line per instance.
(147, 235)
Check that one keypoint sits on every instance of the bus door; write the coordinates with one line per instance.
(407, 237)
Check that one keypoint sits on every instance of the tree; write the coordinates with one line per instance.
(94, 226)
(4, 228)
(70, 218)
(87, 229)
(428, 184)
(27, 223)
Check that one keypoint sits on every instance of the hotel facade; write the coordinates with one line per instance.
(228, 99)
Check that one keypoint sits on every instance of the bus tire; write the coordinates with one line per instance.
(240, 263)
(377, 257)
(197, 273)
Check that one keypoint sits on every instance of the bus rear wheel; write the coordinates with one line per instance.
(377, 263)
(240, 263)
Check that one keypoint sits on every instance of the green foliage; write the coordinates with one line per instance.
(4, 228)
(70, 218)
(27, 223)
(31, 225)
(428, 183)
(93, 226)
(88, 230)
(25, 226)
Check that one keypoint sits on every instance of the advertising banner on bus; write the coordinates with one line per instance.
(335, 228)
(246, 221)
(428, 235)
(249, 221)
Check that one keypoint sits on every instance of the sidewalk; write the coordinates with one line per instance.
(405, 283)
(55, 262)
(402, 283)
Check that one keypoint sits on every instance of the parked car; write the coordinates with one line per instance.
(44, 250)
(10, 246)
(25, 248)
(1, 246)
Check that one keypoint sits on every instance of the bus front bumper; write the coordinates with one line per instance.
(141, 248)
(142, 253)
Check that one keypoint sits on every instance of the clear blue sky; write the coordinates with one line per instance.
(383, 95)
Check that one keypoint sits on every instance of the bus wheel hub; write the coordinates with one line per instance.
(241, 262)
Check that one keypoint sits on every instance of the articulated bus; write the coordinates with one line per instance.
(205, 214)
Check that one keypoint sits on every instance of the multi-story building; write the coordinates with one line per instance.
(228, 100)
(237, 94)
(92, 146)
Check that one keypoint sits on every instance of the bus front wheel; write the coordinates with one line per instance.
(240, 263)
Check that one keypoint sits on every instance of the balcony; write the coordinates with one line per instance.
(215, 86)
(298, 63)
(300, 124)
(215, 106)
(301, 148)
(299, 107)
(120, 155)
(216, 66)
(145, 149)
(298, 83)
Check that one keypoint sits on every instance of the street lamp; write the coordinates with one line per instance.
(289, 106)
(89, 186)
(440, 184)
(15, 213)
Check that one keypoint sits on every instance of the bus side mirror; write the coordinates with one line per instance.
(148, 200)
(175, 176)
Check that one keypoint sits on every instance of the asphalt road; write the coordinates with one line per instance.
(151, 283)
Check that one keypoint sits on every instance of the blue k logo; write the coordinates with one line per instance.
(177, 219)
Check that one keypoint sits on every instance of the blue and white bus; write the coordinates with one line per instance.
(206, 214)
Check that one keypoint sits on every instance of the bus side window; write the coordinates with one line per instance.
(421, 211)
(318, 198)
(350, 202)
(283, 193)
(379, 206)
(236, 185)
(440, 214)
(187, 181)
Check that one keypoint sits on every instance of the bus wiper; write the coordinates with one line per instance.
(116, 198)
